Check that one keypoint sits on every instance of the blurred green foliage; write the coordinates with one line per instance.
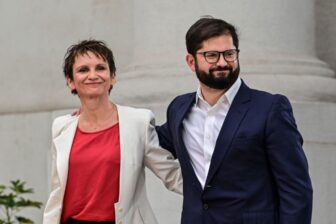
(12, 201)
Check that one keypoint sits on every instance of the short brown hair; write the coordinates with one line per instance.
(206, 28)
(99, 48)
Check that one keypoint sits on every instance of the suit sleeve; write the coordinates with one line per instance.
(288, 164)
(160, 161)
(164, 133)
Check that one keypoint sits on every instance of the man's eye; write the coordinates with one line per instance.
(211, 55)
(229, 53)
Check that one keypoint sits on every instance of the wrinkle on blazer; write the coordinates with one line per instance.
(139, 148)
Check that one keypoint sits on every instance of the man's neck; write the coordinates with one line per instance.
(210, 95)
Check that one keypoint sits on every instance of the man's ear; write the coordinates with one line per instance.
(191, 62)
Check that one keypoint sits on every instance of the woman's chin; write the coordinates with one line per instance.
(94, 94)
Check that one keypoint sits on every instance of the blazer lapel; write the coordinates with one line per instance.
(126, 135)
(237, 111)
(63, 143)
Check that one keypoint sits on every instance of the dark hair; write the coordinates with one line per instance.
(97, 47)
(206, 28)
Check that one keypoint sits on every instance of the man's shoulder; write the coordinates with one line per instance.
(265, 99)
(181, 99)
(264, 95)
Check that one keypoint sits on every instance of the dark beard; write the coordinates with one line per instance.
(221, 82)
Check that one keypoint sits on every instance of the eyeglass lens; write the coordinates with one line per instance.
(213, 56)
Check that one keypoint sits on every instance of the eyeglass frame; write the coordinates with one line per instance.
(219, 54)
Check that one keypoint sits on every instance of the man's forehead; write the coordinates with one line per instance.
(223, 42)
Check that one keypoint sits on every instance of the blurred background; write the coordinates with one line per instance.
(287, 47)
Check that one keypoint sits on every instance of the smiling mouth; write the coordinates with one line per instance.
(93, 83)
(221, 73)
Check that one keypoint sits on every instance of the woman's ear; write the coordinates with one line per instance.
(71, 84)
(113, 79)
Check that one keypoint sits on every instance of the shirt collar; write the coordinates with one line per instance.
(228, 96)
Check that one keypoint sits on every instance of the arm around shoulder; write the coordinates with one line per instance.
(160, 161)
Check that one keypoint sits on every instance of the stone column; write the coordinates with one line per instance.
(277, 55)
(147, 37)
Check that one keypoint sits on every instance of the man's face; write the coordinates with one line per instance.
(220, 75)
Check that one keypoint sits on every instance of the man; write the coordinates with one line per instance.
(239, 148)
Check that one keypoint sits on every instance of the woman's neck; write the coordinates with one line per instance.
(97, 114)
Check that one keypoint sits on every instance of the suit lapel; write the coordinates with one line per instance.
(63, 143)
(237, 112)
(182, 113)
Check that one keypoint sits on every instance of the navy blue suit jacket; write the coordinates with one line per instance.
(258, 172)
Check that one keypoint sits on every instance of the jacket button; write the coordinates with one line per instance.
(205, 206)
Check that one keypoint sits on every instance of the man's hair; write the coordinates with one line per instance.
(206, 28)
(97, 47)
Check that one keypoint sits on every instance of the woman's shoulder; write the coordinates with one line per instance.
(134, 113)
(64, 119)
(62, 122)
(134, 110)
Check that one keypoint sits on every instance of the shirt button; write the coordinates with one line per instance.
(121, 210)
(205, 206)
(120, 222)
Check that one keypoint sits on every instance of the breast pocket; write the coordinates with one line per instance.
(247, 145)
(248, 152)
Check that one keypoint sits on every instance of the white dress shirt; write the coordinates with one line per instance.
(201, 128)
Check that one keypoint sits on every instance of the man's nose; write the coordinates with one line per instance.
(221, 60)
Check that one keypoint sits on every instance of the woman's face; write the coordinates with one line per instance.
(91, 76)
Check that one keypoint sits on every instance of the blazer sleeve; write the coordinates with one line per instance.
(53, 208)
(160, 161)
(288, 164)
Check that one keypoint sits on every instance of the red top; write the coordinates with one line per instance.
(93, 178)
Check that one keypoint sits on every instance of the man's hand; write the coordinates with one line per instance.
(76, 112)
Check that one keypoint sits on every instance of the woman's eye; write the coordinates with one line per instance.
(101, 68)
(82, 70)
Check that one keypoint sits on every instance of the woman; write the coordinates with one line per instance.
(99, 157)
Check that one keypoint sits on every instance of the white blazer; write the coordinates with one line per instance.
(139, 147)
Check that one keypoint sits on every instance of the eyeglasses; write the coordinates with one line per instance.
(212, 57)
